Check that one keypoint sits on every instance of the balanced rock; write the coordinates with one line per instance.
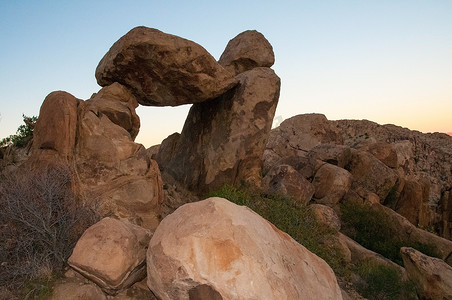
(223, 139)
(112, 253)
(163, 69)
(432, 276)
(285, 180)
(248, 50)
(232, 253)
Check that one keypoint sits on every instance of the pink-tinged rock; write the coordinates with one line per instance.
(432, 276)
(285, 180)
(56, 127)
(162, 69)
(219, 250)
(76, 289)
(223, 139)
(248, 50)
(112, 253)
(331, 183)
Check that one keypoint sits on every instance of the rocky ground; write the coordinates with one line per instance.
(368, 199)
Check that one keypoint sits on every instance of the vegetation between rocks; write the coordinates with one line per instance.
(40, 221)
(23, 134)
(375, 231)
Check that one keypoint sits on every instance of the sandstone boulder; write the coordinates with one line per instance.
(232, 253)
(410, 203)
(385, 153)
(338, 155)
(325, 216)
(285, 180)
(248, 50)
(331, 183)
(163, 69)
(112, 254)
(56, 128)
(370, 173)
(76, 289)
(223, 139)
(432, 276)
(299, 134)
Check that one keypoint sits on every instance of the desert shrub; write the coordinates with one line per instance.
(23, 134)
(383, 282)
(295, 220)
(375, 231)
(41, 220)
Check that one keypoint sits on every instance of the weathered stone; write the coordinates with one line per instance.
(167, 150)
(299, 134)
(337, 155)
(385, 153)
(112, 169)
(370, 173)
(163, 69)
(413, 195)
(326, 216)
(285, 180)
(56, 128)
(112, 253)
(432, 276)
(223, 139)
(331, 183)
(222, 255)
(248, 50)
(118, 104)
(76, 289)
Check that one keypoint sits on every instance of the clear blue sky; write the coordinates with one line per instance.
(385, 61)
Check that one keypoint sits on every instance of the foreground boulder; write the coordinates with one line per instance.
(163, 69)
(432, 276)
(223, 139)
(112, 254)
(248, 50)
(232, 253)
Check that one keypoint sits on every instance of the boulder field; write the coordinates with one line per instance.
(161, 237)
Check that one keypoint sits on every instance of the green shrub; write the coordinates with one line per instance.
(295, 220)
(23, 134)
(383, 282)
(375, 231)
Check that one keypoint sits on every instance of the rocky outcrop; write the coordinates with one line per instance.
(223, 139)
(432, 275)
(163, 69)
(248, 50)
(112, 254)
(285, 180)
(76, 289)
(196, 258)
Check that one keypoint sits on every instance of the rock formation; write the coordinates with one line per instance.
(242, 257)
(112, 254)
(432, 275)
(163, 69)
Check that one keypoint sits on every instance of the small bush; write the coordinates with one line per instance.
(23, 134)
(41, 220)
(295, 220)
(383, 282)
(375, 231)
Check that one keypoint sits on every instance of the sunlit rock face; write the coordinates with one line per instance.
(163, 69)
(230, 252)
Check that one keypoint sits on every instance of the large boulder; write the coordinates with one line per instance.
(331, 183)
(56, 128)
(248, 50)
(112, 253)
(432, 276)
(232, 253)
(411, 202)
(76, 289)
(163, 69)
(285, 180)
(299, 134)
(370, 173)
(223, 139)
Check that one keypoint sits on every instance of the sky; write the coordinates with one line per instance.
(385, 61)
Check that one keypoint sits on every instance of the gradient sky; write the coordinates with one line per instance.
(385, 61)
